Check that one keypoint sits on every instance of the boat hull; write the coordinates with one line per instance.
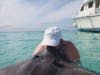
(88, 23)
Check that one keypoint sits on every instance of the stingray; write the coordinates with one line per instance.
(45, 66)
(49, 64)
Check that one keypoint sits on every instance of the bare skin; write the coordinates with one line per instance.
(71, 51)
(39, 49)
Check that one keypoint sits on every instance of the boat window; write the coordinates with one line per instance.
(82, 8)
(97, 5)
(90, 5)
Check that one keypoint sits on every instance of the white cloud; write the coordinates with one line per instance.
(60, 14)
(23, 15)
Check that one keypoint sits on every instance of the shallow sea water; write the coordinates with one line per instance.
(18, 46)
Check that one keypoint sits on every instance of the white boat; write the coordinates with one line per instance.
(88, 18)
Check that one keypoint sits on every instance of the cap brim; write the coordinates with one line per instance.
(50, 42)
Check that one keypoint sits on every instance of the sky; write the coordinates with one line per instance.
(22, 15)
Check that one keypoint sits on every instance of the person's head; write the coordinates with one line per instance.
(52, 36)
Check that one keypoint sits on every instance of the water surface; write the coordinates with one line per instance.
(18, 46)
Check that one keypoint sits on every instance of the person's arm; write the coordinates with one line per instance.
(75, 54)
(38, 49)
(71, 51)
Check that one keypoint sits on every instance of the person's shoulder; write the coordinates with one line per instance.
(43, 46)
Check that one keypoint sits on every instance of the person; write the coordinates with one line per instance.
(53, 37)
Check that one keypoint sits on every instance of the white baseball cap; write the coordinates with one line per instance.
(52, 36)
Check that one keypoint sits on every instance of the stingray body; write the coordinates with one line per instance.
(44, 66)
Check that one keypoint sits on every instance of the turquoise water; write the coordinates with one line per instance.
(18, 46)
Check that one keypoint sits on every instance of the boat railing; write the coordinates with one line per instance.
(75, 14)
